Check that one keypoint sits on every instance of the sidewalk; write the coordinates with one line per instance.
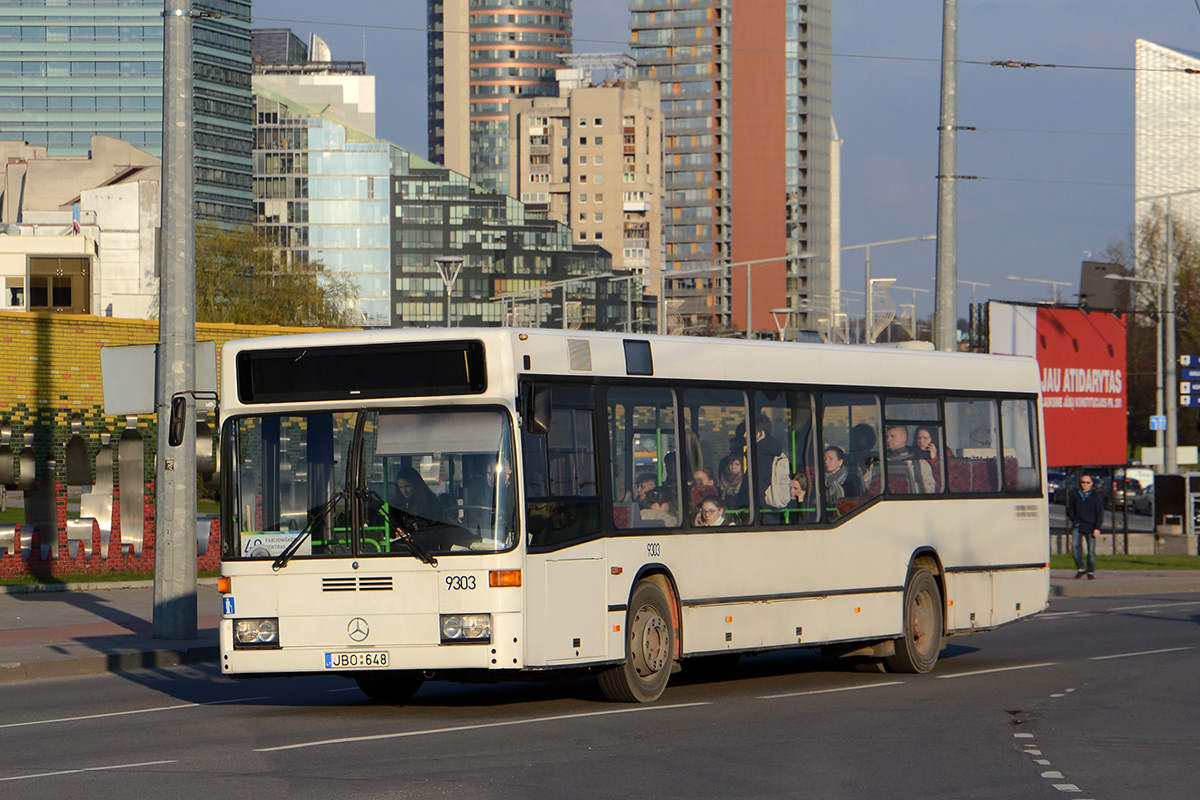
(102, 627)
(85, 629)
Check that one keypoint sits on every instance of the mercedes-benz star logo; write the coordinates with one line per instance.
(358, 629)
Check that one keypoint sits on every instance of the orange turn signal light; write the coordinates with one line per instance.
(504, 577)
(224, 585)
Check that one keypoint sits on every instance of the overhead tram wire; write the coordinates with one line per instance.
(1006, 64)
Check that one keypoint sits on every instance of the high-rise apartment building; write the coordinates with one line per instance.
(747, 108)
(70, 69)
(1166, 113)
(482, 54)
(591, 158)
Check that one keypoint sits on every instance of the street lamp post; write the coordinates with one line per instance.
(870, 309)
(1053, 284)
(448, 268)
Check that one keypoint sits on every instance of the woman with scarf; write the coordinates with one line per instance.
(841, 480)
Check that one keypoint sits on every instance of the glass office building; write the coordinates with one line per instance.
(321, 194)
(73, 68)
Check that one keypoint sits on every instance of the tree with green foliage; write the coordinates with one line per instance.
(242, 277)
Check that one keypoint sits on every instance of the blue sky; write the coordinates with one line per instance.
(1053, 147)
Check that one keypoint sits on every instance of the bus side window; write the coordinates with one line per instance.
(791, 422)
(851, 439)
(972, 437)
(718, 418)
(562, 498)
(642, 445)
(1019, 459)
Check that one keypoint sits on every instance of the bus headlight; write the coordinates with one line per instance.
(250, 633)
(475, 628)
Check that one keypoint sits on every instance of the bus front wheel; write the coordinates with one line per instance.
(649, 649)
(393, 688)
(917, 650)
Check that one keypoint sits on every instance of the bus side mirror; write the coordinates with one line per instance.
(537, 413)
(178, 418)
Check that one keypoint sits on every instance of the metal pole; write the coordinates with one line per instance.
(1158, 369)
(869, 311)
(945, 311)
(749, 306)
(1170, 380)
(175, 467)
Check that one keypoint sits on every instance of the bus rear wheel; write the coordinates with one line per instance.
(649, 649)
(394, 687)
(917, 650)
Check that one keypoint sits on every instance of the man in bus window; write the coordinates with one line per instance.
(645, 482)
(904, 462)
(766, 449)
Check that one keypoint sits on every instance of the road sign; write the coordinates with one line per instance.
(1189, 374)
(1189, 400)
(1189, 361)
(1187, 387)
(1158, 423)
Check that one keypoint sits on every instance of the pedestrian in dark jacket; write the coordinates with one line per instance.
(1085, 511)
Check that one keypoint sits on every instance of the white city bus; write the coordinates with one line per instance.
(472, 504)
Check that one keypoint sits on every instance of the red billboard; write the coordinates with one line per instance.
(1082, 360)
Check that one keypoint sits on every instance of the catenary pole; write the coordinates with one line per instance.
(946, 312)
(175, 467)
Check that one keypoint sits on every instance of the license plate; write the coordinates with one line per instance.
(370, 660)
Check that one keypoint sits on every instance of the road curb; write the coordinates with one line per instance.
(12, 672)
(98, 586)
(1118, 587)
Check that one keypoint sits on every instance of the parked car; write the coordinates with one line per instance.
(1143, 501)
(1054, 481)
(1123, 492)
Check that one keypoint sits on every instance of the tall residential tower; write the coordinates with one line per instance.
(481, 54)
(747, 110)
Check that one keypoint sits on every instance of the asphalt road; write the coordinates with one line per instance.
(1097, 698)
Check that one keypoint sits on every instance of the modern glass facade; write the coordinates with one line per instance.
(321, 193)
(73, 68)
(1166, 112)
(514, 48)
(688, 47)
(515, 268)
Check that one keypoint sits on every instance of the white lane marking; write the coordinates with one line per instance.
(1059, 694)
(999, 669)
(480, 726)
(1053, 773)
(829, 691)
(1042, 762)
(129, 713)
(1142, 653)
(1057, 614)
(87, 769)
(1022, 735)
(1032, 751)
(1156, 605)
(1066, 787)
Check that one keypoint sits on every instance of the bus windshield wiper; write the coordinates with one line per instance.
(317, 519)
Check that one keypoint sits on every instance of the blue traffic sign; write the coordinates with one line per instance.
(1189, 361)
(1187, 387)
(1158, 423)
(1189, 374)
(1189, 400)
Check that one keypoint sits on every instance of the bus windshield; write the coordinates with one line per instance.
(369, 483)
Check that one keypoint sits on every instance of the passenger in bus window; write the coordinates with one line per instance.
(862, 446)
(766, 450)
(841, 480)
(658, 506)
(906, 463)
(703, 485)
(645, 482)
(413, 496)
(731, 481)
(505, 472)
(799, 490)
(925, 444)
(711, 513)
